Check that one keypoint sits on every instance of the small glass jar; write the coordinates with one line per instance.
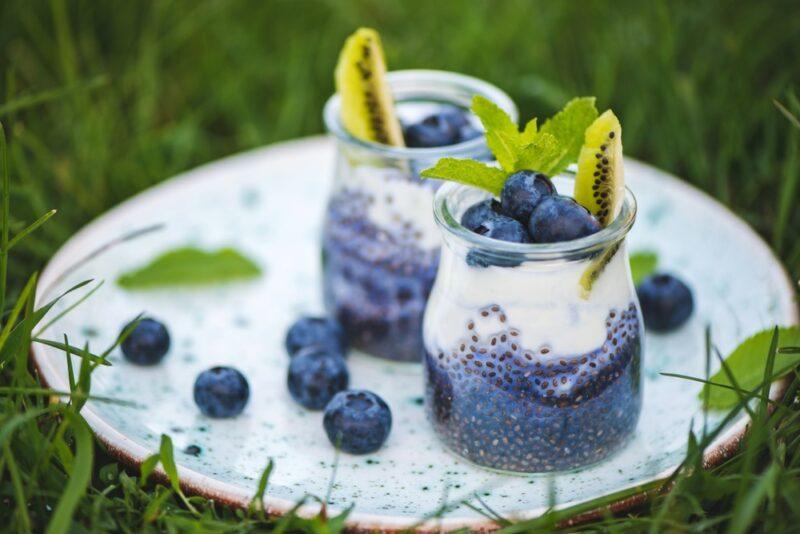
(380, 244)
(525, 371)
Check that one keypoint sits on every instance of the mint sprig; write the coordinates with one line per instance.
(549, 149)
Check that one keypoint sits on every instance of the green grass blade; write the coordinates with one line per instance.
(79, 477)
(31, 228)
(746, 512)
(5, 210)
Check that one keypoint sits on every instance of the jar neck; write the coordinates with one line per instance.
(420, 86)
(452, 200)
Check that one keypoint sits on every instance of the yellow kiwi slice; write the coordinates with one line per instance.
(600, 185)
(367, 110)
(600, 182)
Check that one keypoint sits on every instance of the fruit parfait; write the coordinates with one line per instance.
(533, 333)
(380, 244)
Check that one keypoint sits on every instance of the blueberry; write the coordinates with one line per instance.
(522, 192)
(666, 302)
(147, 343)
(497, 226)
(221, 392)
(475, 214)
(444, 128)
(357, 421)
(315, 332)
(316, 374)
(559, 218)
(467, 132)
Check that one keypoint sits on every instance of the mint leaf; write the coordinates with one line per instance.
(541, 154)
(469, 172)
(747, 363)
(549, 150)
(643, 264)
(189, 266)
(530, 131)
(502, 135)
(568, 127)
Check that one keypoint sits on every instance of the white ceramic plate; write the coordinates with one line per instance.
(269, 204)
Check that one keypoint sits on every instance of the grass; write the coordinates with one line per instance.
(101, 100)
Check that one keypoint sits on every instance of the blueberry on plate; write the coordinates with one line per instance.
(315, 332)
(666, 302)
(221, 392)
(357, 421)
(522, 192)
(316, 374)
(147, 343)
(478, 212)
(439, 129)
(558, 218)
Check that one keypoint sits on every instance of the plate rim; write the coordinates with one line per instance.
(193, 482)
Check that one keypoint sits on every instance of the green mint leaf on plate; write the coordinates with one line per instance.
(469, 172)
(502, 134)
(188, 266)
(568, 127)
(747, 363)
(643, 264)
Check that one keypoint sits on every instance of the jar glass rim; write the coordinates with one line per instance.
(404, 82)
(606, 237)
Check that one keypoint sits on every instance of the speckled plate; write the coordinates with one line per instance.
(269, 204)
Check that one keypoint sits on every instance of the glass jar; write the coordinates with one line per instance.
(526, 371)
(380, 244)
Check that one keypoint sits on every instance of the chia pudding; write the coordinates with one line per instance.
(380, 244)
(523, 371)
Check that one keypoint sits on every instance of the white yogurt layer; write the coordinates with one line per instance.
(397, 201)
(542, 300)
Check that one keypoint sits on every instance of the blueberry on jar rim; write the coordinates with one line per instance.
(522, 192)
(559, 218)
(444, 128)
(475, 214)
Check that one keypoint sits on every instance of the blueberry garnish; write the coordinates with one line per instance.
(500, 227)
(315, 332)
(221, 392)
(475, 214)
(666, 302)
(147, 343)
(559, 218)
(447, 127)
(357, 421)
(316, 374)
(504, 228)
(522, 192)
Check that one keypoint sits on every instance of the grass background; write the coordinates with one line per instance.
(103, 99)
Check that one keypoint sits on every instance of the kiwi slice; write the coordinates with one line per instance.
(367, 110)
(595, 269)
(600, 185)
(600, 182)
